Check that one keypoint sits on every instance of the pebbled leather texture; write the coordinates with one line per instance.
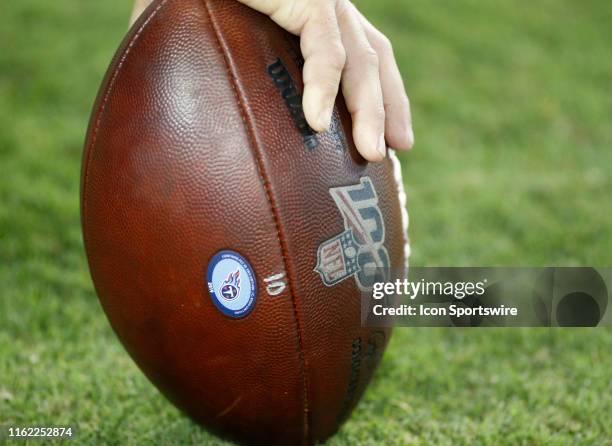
(192, 149)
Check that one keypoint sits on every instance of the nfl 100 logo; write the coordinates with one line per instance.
(359, 251)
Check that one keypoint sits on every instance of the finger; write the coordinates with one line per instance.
(139, 7)
(398, 117)
(316, 24)
(361, 86)
(324, 58)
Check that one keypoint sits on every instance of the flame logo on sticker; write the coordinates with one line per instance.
(230, 288)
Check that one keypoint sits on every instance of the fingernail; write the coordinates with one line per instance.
(325, 120)
(382, 146)
(410, 136)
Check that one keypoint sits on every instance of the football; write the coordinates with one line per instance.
(228, 242)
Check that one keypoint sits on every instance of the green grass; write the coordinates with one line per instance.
(512, 107)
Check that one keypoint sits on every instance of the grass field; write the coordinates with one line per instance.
(512, 105)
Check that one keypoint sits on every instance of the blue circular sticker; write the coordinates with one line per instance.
(231, 284)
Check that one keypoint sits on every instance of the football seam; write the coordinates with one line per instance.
(257, 152)
(102, 108)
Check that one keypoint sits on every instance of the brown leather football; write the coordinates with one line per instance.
(228, 243)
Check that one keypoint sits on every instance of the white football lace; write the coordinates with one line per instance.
(397, 174)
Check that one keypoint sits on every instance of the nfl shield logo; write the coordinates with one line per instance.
(337, 258)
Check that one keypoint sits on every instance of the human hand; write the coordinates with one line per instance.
(338, 43)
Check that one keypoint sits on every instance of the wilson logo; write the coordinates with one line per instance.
(293, 99)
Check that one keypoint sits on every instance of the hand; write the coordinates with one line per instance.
(139, 7)
(338, 43)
